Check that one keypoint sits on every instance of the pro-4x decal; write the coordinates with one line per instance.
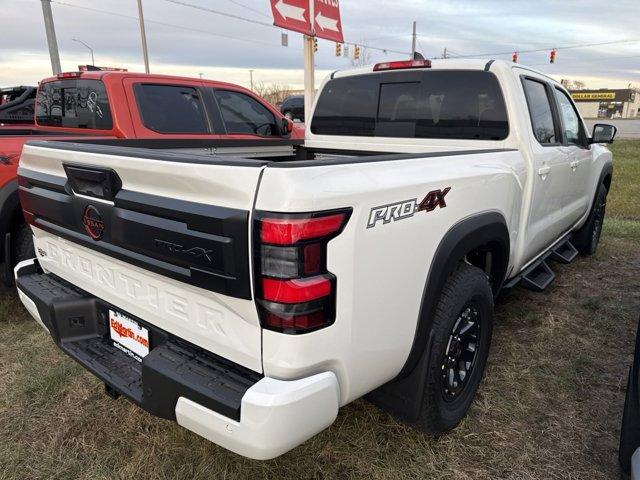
(407, 208)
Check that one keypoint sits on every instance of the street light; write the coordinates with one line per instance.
(90, 49)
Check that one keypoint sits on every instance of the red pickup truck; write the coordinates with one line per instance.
(76, 106)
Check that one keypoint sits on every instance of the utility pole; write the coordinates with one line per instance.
(143, 35)
(413, 41)
(51, 37)
(93, 62)
(309, 68)
(251, 78)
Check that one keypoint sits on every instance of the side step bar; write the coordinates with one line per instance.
(564, 252)
(538, 276)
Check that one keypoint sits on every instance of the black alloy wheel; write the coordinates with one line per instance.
(461, 353)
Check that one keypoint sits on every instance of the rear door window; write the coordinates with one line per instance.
(74, 103)
(171, 108)
(433, 104)
(540, 111)
(243, 114)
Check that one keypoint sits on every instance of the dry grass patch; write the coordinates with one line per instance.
(549, 407)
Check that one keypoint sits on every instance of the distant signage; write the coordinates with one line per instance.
(292, 15)
(594, 96)
(611, 95)
(326, 22)
(295, 15)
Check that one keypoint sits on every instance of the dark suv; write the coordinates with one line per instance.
(293, 107)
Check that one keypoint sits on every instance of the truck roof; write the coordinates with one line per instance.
(108, 76)
(448, 64)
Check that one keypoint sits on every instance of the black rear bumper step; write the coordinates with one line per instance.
(78, 323)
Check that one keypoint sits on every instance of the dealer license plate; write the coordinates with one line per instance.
(128, 335)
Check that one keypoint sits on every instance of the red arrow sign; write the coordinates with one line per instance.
(292, 15)
(326, 22)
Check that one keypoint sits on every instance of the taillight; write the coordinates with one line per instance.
(295, 292)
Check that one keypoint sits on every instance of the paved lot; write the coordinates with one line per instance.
(626, 128)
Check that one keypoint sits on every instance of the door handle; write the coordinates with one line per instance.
(544, 171)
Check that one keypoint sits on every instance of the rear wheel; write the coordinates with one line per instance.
(587, 238)
(462, 329)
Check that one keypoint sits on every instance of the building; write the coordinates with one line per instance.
(607, 103)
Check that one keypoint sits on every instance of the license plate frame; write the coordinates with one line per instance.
(128, 335)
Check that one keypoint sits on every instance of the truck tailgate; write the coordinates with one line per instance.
(163, 237)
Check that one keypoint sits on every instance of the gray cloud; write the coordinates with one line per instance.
(207, 40)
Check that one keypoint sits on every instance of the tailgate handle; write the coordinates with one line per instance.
(97, 182)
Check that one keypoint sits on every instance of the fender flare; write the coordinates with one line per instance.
(470, 233)
(9, 205)
(403, 395)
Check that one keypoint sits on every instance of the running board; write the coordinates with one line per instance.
(564, 253)
(537, 277)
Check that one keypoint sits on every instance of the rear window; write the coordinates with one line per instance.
(74, 104)
(171, 108)
(433, 104)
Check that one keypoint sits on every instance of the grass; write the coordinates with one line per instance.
(549, 407)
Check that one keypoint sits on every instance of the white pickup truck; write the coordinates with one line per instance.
(249, 297)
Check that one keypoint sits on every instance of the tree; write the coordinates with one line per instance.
(365, 57)
(274, 93)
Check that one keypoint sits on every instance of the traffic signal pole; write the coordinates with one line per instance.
(51, 37)
(309, 69)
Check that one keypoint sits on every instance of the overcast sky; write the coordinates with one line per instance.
(188, 41)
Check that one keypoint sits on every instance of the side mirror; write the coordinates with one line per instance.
(286, 127)
(603, 133)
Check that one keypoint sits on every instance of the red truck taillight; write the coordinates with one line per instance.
(295, 292)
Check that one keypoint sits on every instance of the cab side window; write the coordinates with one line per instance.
(570, 119)
(243, 114)
(540, 111)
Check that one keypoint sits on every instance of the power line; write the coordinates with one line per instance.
(181, 27)
(565, 47)
(591, 60)
(218, 12)
(262, 14)
(265, 24)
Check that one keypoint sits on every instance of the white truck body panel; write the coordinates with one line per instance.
(381, 268)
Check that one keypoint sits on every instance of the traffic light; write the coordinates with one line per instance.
(315, 44)
(552, 56)
(356, 52)
(338, 49)
(514, 57)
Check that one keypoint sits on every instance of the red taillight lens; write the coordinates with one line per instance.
(286, 231)
(295, 292)
(401, 65)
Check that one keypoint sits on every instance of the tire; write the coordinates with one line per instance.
(288, 115)
(22, 244)
(587, 238)
(447, 396)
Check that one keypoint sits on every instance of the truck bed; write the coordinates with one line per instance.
(256, 153)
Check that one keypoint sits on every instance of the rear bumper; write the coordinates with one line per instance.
(228, 404)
